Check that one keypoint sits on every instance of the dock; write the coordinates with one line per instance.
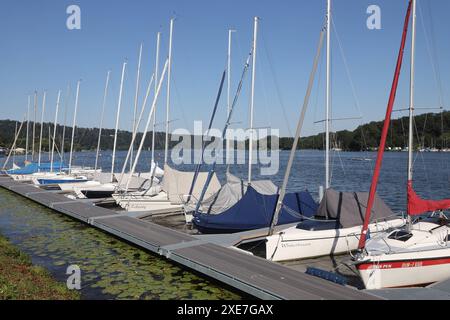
(253, 275)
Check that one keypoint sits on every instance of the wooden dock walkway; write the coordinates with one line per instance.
(253, 275)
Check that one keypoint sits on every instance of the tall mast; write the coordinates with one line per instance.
(158, 40)
(28, 128)
(252, 100)
(65, 124)
(136, 96)
(282, 192)
(117, 119)
(411, 94)
(14, 147)
(152, 110)
(34, 125)
(169, 74)
(74, 125)
(101, 119)
(384, 133)
(54, 129)
(328, 99)
(42, 128)
(230, 32)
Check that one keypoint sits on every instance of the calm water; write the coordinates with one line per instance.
(113, 269)
(350, 171)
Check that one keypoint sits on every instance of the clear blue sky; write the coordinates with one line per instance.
(39, 52)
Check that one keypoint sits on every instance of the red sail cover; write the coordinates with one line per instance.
(418, 206)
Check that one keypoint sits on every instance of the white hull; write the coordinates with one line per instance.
(71, 186)
(106, 187)
(406, 269)
(294, 243)
(158, 202)
(38, 175)
(421, 256)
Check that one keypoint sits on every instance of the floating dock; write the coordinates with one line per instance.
(255, 276)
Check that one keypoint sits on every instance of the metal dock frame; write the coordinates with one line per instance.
(250, 274)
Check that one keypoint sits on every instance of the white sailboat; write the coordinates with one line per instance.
(104, 184)
(338, 221)
(156, 197)
(419, 253)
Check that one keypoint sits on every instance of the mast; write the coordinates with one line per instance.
(411, 96)
(158, 40)
(74, 125)
(328, 100)
(54, 129)
(384, 133)
(117, 119)
(101, 119)
(152, 110)
(133, 138)
(230, 32)
(169, 74)
(28, 128)
(65, 124)
(34, 125)
(42, 128)
(136, 97)
(252, 100)
(282, 192)
(14, 147)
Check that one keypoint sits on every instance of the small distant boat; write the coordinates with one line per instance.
(361, 159)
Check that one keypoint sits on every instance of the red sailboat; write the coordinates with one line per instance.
(419, 253)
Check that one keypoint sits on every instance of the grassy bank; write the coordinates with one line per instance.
(20, 280)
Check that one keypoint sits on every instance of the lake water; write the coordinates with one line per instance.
(114, 269)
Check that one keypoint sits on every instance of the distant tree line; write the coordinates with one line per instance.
(431, 130)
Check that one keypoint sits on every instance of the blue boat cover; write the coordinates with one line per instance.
(255, 211)
(34, 167)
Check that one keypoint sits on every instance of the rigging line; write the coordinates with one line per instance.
(434, 64)
(276, 83)
(350, 79)
(435, 51)
(318, 87)
(419, 154)
(265, 89)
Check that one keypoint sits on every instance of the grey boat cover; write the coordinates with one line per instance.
(231, 192)
(350, 208)
(137, 181)
(177, 184)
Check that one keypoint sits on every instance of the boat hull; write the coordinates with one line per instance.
(405, 270)
(295, 244)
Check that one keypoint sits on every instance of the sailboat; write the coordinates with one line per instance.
(31, 169)
(338, 221)
(169, 195)
(245, 205)
(419, 253)
(53, 177)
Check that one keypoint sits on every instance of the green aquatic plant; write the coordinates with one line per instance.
(109, 267)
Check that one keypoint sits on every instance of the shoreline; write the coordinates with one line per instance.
(21, 280)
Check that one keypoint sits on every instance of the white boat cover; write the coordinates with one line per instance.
(231, 192)
(102, 177)
(177, 184)
(350, 208)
